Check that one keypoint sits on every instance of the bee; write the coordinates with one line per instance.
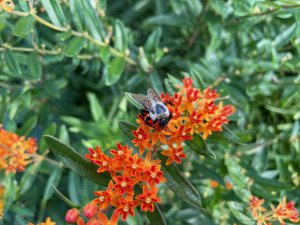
(155, 107)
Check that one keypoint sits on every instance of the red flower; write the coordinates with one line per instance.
(134, 166)
(165, 98)
(176, 101)
(124, 184)
(141, 140)
(153, 176)
(174, 154)
(122, 154)
(180, 135)
(94, 155)
(148, 198)
(104, 197)
(125, 206)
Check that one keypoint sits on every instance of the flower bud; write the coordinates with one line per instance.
(71, 216)
(90, 210)
(93, 222)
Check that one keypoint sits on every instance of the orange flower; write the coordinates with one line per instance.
(165, 98)
(124, 184)
(255, 204)
(47, 222)
(104, 197)
(280, 213)
(174, 154)
(141, 140)
(94, 155)
(2, 192)
(7, 5)
(104, 162)
(122, 154)
(181, 134)
(104, 221)
(176, 101)
(153, 176)
(148, 163)
(214, 184)
(228, 185)
(148, 198)
(134, 166)
(125, 206)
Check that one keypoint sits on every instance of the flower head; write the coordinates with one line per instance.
(175, 154)
(148, 198)
(7, 5)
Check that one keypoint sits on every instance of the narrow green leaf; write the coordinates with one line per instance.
(179, 184)
(237, 209)
(11, 62)
(127, 128)
(74, 46)
(234, 170)
(132, 101)
(34, 66)
(76, 162)
(227, 135)
(281, 111)
(64, 35)
(27, 126)
(153, 40)
(115, 70)
(2, 19)
(170, 20)
(65, 199)
(23, 26)
(105, 55)
(64, 135)
(198, 145)
(49, 131)
(77, 14)
(55, 12)
(10, 195)
(95, 107)
(21, 210)
(53, 179)
(285, 36)
(121, 36)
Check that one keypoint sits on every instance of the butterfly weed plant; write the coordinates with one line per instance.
(214, 141)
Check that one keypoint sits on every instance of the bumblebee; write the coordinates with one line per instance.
(155, 107)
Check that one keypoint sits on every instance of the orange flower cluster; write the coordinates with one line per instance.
(127, 170)
(14, 151)
(7, 5)
(282, 211)
(47, 222)
(192, 111)
(2, 191)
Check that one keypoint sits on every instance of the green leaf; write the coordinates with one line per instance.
(281, 111)
(198, 145)
(21, 210)
(95, 107)
(34, 66)
(74, 46)
(115, 70)
(76, 162)
(65, 199)
(121, 36)
(210, 173)
(285, 36)
(23, 26)
(53, 179)
(105, 55)
(64, 135)
(27, 126)
(2, 19)
(11, 62)
(179, 184)
(77, 14)
(132, 101)
(227, 135)
(127, 128)
(237, 209)
(49, 131)
(170, 20)
(55, 12)
(234, 170)
(64, 35)
(153, 40)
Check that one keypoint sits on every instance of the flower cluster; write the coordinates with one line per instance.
(47, 222)
(280, 213)
(192, 111)
(127, 170)
(7, 5)
(14, 151)
(2, 191)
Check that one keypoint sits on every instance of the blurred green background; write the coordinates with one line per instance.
(66, 81)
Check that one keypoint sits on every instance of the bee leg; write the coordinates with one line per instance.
(147, 121)
(144, 111)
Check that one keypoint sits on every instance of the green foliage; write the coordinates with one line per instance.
(68, 70)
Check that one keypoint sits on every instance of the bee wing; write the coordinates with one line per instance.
(153, 94)
(144, 100)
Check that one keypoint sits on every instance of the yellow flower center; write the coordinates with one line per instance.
(153, 175)
(192, 95)
(101, 198)
(140, 136)
(176, 100)
(94, 155)
(177, 154)
(134, 166)
(183, 133)
(126, 208)
(195, 117)
(174, 114)
(104, 163)
(120, 152)
(123, 184)
(148, 200)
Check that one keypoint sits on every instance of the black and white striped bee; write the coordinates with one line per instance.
(155, 107)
